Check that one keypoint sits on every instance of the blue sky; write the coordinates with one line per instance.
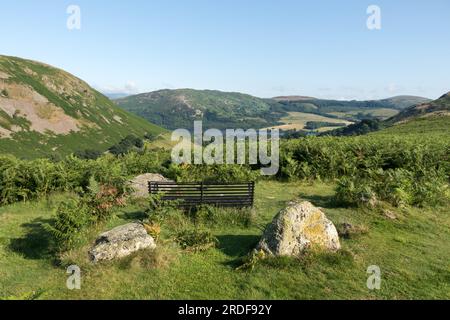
(265, 48)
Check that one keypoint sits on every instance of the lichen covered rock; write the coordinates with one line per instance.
(298, 227)
(121, 242)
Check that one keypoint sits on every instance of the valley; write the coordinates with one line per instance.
(379, 170)
(218, 153)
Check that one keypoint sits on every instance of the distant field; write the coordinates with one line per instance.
(380, 112)
(298, 120)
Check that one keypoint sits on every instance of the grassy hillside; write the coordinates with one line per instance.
(421, 119)
(425, 119)
(175, 109)
(433, 125)
(403, 102)
(439, 107)
(45, 111)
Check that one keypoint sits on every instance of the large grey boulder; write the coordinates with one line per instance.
(298, 227)
(121, 242)
(139, 184)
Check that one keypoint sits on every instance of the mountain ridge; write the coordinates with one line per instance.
(173, 109)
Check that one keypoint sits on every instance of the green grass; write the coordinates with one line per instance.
(431, 127)
(411, 251)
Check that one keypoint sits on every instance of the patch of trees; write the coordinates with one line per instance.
(360, 128)
(294, 134)
(88, 154)
(150, 136)
(127, 144)
(365, 116)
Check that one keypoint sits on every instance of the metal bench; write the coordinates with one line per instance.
(195, 194)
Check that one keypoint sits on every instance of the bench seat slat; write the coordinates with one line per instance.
(194, 194)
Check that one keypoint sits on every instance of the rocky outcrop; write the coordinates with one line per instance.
(121, 242)
(298, 227)
(140, 184)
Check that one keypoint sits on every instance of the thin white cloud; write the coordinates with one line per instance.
(130, 87)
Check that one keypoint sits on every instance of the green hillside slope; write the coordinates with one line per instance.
(174, 109)
(426, 118)
(435, 126)
(45, 111)
(439, 107)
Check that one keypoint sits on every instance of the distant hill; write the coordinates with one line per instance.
(45, 111)
(174, 109)
(403, 102)
(349, 107)
(422, 118)
(292, 98)
(439, 107)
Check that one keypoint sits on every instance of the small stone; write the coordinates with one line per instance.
(140, 184)
(389, 214)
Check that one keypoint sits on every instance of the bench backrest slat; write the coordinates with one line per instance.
(194, 194)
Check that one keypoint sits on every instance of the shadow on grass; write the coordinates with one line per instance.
(135, 215)
(328, 202)
(237, 246)
(37, 242)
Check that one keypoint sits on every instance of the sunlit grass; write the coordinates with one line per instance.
(412, 252)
